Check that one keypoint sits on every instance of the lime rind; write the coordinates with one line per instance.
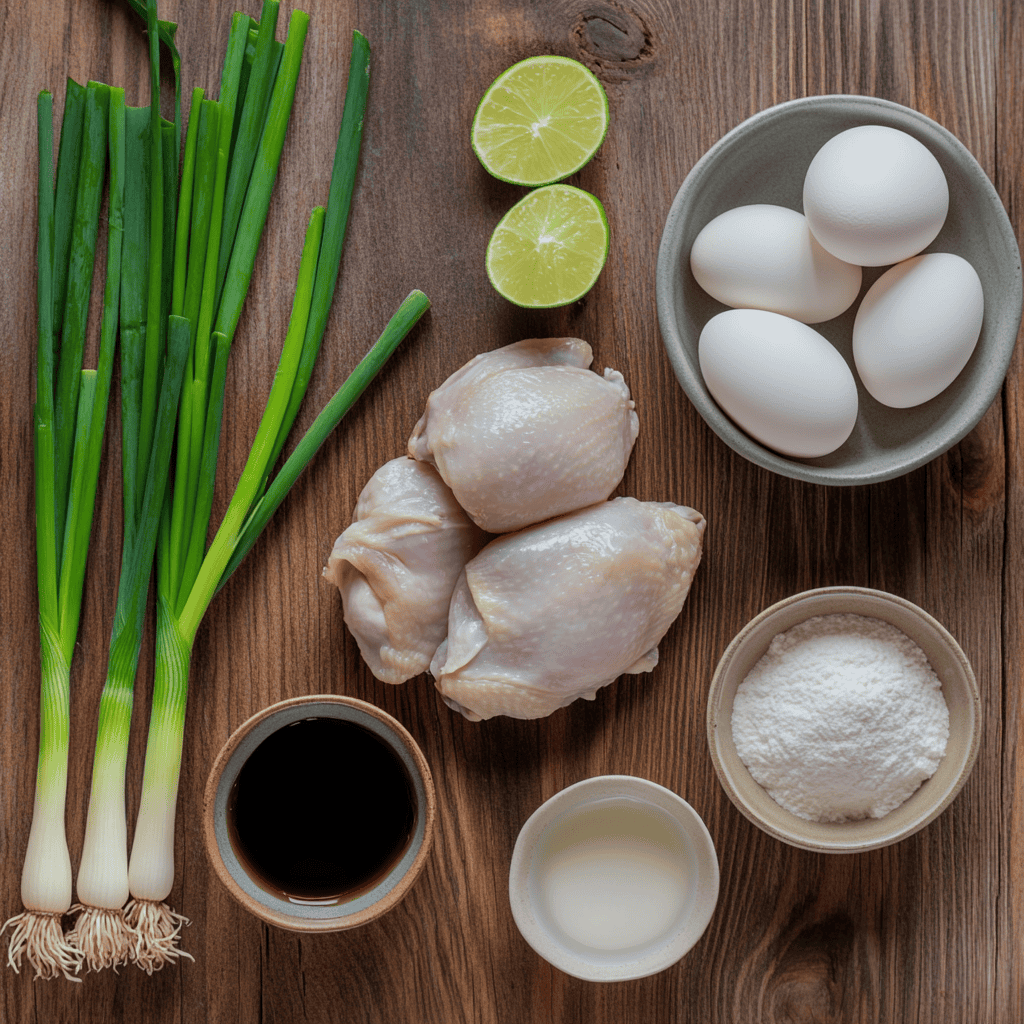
(549, 249)
(540, 121)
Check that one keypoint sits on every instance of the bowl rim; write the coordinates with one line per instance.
(668, 262)
(591, 790)
(724, 770)
(390, 890)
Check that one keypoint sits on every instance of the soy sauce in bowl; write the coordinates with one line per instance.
(321, 811)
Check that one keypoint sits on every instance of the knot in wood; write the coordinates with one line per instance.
(613, 41)
(808, 981)
(974, 466)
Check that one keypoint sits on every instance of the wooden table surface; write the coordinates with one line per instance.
(926, 931)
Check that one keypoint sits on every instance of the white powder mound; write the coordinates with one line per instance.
(842, 718)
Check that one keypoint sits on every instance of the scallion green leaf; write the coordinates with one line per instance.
(252, 115)
(343, 176)
(67, 190)
(76, 312)
(188, 169)
(414, 306)
(264, 174)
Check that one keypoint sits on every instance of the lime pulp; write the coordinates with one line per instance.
(540, 121)
(549, 249)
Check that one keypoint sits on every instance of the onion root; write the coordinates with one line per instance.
(156, 929)
(39, 937)
(102, 935)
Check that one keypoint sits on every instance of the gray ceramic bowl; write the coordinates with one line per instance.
(763, 160)
(958, 687)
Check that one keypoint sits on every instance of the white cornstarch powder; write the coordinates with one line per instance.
(842, 718)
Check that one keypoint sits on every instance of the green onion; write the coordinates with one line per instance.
(199, 418)
(231, 89)
(46, 531)
(64, 511)
(67, 188)
(170, 183)
(86, 470)
(148, 240)
(166, 31)
(261, 183)
(178, 270)
(403, 321)
(188, 170)
(134, 302)
(152, 870)
(343, 176)
(76, 310)
(100, 930)
(206, 116)
(251, 117)
(154, 320)
(181, 610)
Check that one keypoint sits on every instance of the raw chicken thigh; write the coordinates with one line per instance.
(527, 432)
(396, 566)
(541, 617)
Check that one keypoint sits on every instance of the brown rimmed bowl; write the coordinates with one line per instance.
(959, 688)
(245, 887)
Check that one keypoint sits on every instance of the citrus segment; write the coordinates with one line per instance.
(540, 121)
(549, 248)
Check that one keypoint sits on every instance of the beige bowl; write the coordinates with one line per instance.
(958, 687)
(247, 887)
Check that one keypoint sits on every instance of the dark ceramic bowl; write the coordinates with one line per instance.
(316, 916)
(764, 160)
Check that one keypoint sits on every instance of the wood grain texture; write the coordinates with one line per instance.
(925, 931)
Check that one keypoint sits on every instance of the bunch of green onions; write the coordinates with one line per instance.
(197, 247)
(186, 241)
(69, 422)
(153, 354)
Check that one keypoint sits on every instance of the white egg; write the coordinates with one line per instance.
(874, 196)
(779, 380)
(916, 328)
(764, 257)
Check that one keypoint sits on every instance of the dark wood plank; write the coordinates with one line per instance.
(922, 931)
(1008, 989)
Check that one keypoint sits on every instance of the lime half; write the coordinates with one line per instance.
(540, 121)
(549, 248)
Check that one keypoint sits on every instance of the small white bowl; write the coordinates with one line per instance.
(959, 688)
(608, 832)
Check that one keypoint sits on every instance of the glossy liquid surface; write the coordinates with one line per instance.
(321, 811)
(615, 876)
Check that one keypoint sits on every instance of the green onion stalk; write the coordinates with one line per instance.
(166, 31)
(165, 350)
(69, 421)
(188, 578)
(153, 353)
(100, 931)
